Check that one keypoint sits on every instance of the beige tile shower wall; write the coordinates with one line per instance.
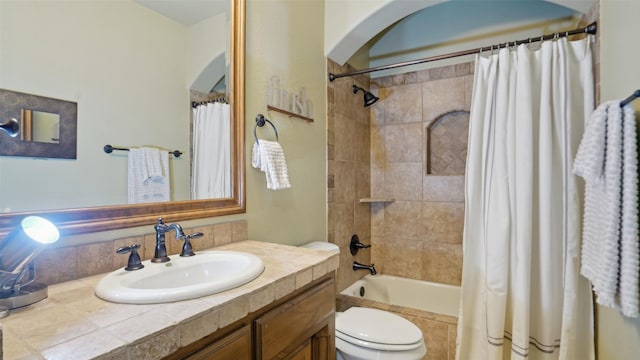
(348, 171)
(419, 235)
(57, 265)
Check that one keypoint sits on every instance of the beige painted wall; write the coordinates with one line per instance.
(285, 39)
(618, 337)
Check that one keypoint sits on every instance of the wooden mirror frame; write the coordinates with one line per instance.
(95, 219)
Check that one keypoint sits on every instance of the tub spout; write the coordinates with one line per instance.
(358, 266)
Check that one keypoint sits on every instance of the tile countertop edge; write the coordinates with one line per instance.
(72, 318)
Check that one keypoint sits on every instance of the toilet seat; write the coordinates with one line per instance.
(348, 351)
(377, 330)
(376, 346)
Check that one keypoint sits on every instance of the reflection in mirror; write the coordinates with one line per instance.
(131, 83)
(39, 126)
(47, 130)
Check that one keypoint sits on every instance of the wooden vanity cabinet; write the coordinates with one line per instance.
(304, 322)
(300, 326)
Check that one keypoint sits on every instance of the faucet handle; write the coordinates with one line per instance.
(187, 250)
(356, 245)
(134, 262)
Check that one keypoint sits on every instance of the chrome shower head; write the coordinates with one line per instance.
(369, 98)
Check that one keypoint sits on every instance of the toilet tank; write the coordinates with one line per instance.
(322, 245)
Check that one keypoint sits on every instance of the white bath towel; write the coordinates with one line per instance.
(268, 156)
(629, 299)
(607, 160)
(148, 175)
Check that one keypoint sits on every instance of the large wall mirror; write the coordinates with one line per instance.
(132, 67)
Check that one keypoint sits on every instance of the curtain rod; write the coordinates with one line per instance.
(221, 99)
(589, 29)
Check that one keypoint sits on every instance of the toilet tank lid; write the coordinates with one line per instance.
(378, 326)
(322, 245)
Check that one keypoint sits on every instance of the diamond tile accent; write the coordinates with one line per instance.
(447, 144)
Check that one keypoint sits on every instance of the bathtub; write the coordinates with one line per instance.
(431, 306)
(416, 294)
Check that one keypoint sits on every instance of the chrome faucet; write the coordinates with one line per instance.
(358, 266)
(160, 254)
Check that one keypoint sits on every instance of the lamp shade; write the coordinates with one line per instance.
(25, 242)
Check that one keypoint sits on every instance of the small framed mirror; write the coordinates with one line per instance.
(48, 127)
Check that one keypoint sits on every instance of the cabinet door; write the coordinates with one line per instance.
(285, 329)
(303, 353)
(235, 346)
(323, 343)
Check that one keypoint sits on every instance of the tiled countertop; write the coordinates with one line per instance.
(72, 323)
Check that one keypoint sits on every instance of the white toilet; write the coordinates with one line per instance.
(367, 334)
(372, 334)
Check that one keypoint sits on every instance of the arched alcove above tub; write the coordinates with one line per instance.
(351, 27)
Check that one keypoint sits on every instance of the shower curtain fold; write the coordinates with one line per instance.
(522, 296)
(211, 167)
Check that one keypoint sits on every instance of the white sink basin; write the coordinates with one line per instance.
(182, 278)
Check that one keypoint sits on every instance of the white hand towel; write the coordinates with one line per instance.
(268, 156)
(256, 158)
(607, 160)
(153, 162)
(142, 187)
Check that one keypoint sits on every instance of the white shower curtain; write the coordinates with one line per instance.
(211, 167)
(522, 295)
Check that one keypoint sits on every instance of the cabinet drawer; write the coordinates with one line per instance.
(235, 346)
(295, 322)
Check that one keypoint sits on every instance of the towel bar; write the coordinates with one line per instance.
(635, 95)
(109, 149)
